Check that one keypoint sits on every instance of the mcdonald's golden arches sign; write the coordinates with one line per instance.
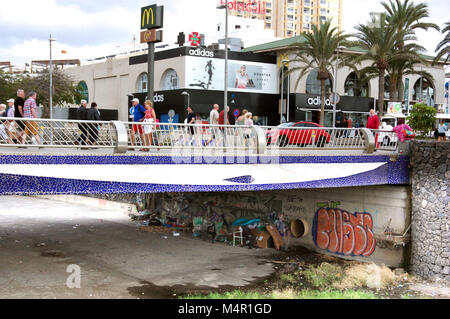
(152, 17)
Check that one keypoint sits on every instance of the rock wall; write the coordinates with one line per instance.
(430, 250)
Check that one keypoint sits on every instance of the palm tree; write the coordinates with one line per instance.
(318, 51)
(444, 46)
(377, 40)
(406, 17)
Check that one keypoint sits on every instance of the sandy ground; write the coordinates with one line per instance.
(40, 239)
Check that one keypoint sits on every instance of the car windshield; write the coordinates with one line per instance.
(286, 124)
(389, 121)
(305, 125)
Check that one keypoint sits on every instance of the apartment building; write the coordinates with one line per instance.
(289, 18)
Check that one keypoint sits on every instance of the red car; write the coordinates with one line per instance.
(283, 136)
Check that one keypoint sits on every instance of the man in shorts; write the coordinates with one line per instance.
(138, 116)
(30, 112)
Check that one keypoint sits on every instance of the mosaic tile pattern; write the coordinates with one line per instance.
(396, 172)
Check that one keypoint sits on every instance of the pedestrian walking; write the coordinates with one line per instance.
(82, 112)
(149, 119)
(18, 113)
(442, 128)
(11, 124)
(138, 117)
(373, 123)
(213, 120)
(3, 130)
(93, 128)
(190, 119)
(30, 112)
(248, 131)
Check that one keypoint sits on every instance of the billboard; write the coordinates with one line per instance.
(207, 73)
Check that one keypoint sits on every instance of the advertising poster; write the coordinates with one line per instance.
(394, 108)
(243, 76)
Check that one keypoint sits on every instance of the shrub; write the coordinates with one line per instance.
(422, 118)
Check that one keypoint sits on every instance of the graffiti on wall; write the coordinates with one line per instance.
(341, 232)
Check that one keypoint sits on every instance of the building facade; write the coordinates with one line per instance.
(356, 96)
(289, 18)
(254, 83)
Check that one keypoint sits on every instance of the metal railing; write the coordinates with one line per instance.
(385, 140)
(142, 136)
(315, 137)
(29, 132)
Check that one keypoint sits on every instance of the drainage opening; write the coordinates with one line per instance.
(298, 228)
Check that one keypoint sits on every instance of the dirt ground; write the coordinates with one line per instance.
(40, 239)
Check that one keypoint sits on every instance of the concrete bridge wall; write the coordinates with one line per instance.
(350, 222)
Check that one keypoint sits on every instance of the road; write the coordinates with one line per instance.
(40, 239)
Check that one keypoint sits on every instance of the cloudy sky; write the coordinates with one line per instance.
(89, 29)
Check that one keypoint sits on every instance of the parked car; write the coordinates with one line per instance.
(292, 134)
(272, 134)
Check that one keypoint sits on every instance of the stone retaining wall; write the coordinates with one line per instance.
(430, 231)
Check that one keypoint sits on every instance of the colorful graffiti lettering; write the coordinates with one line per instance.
(341, 232)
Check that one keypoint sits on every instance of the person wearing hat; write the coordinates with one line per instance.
(138, 116)
(10, 110)
(11, 124)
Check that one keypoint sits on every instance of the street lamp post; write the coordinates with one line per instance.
(188, 97)
(225, 91)
(283, 62)
(51, 78)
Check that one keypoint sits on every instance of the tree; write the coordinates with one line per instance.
(377, 40)
(444, 46)
(318, 51)
(64, 89)
(422, 118)
(405, 18)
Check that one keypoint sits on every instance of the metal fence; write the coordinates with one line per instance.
(143, 136)
(28, 132)
(314, 137)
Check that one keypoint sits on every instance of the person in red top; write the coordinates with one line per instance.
(222, 117)
(373, 122)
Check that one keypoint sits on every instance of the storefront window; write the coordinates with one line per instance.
(355, 86)
(313, 85)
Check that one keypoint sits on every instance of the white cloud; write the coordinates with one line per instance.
(85, 32)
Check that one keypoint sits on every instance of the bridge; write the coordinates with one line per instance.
(43, 156)
(357, 177)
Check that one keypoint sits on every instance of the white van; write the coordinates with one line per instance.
(388, 122)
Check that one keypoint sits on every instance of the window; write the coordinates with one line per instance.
(313, 85)
(142, 83)
(306, 26)
(427, 95)
(83, 88)
(169, 80)
(290, 17)
(355, 86)
(290, 25)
